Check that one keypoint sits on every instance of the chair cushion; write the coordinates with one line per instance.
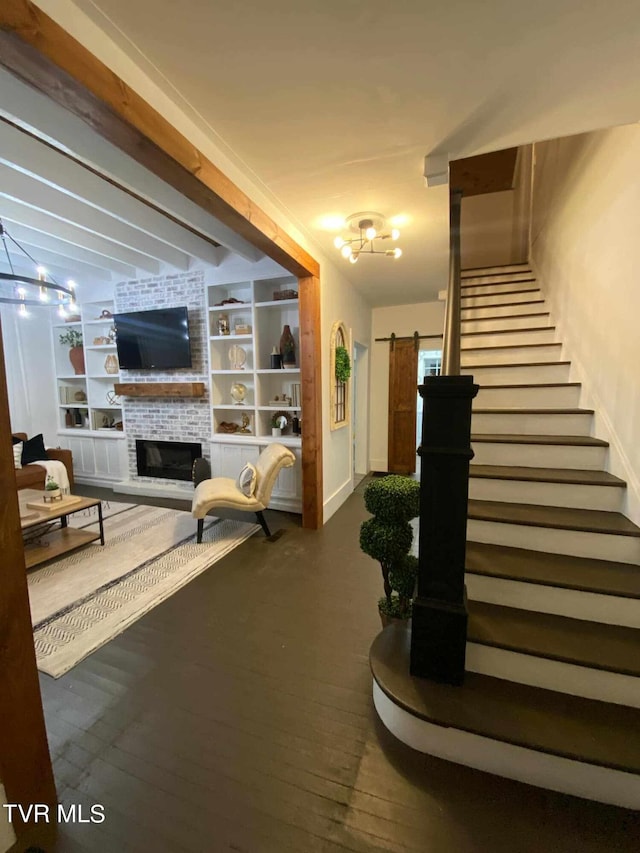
(17, 455)
(246, 481)
(33, 450)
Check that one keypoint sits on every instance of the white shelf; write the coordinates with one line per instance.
(279, 408)
(238, 372)
(280, 302)
(73, 405)
(101, 346)
(230, 337)
(233, 408)
(102, 433)
(73, 376)
(233, 438)
(67, 325)
(289, 370)
(113, 377)
(235, 306)
(101, 322)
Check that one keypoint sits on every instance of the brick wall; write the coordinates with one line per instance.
(168, 419)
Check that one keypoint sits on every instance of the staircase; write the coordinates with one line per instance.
(552, 691)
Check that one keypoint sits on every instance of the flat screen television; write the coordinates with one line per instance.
(158, 339)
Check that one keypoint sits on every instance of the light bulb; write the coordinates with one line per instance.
(394, 233)
(23, 310)
(42, 273)
(397, 253)
(338, 242)
(353, 259)
(346, 251)
(44, 296)
(370, 233)
(22, 292)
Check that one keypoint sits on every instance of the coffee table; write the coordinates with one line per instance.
(56, 540)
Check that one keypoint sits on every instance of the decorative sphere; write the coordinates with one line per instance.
(238, 393)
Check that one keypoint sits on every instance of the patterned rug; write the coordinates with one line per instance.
(84, 599)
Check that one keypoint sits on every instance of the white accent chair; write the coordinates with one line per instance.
(224, 492)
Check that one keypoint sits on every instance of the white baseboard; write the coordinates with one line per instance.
(379, 465)
(335, 501)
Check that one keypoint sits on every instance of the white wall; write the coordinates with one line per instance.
(426, 318)
(487, 228)
(586, 251)
(339, 302)
(30, 371)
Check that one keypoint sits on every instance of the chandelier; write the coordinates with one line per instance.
(369, 229)
(23, 290)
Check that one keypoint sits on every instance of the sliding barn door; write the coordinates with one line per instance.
(403, 390)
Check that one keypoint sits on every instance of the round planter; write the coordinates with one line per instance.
(51, 495)
(76, 357)
(390, 620)
(276, 431)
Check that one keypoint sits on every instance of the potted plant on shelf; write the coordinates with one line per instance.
(73, 339)
(387, 537)
(278, 422)
(52, 491)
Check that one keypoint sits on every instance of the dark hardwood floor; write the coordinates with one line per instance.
(237, 716)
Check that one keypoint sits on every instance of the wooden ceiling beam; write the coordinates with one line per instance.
(62, 68)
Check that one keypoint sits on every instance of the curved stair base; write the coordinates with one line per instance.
(456, 724)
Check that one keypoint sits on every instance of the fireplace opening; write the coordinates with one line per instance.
(172, 460)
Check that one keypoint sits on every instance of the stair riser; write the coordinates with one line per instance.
(553, 675)
(499, 280)
(507, 339)
(504, 759)
(527, 424)
(598, 546)
(539, 456)
(504, 270)
(573, 603)
(572, 495)
(515, 293)
(537, 321)
(504, 374)
(511, 355)
(488, 311)
(532, 397)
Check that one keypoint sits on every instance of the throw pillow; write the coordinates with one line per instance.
(33, 450)
(246, 481)
(17, 455)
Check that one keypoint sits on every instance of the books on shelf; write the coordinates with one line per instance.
(296, 394)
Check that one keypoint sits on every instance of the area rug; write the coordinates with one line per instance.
(84, 599)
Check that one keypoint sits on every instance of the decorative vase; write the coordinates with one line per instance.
(68, 419)
(76, 357)
(287, 348)
(111, 364)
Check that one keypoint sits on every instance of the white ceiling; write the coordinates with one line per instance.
(334, 105)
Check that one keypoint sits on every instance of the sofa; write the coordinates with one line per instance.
(33, 476)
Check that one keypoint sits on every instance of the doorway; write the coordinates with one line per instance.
(429, 364)
(359, 425)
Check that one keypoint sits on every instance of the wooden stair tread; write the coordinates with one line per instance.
(501, 293)
(607, 647)
(568, 440)
(584, 730)
(491, 283)
(504, 317)
(512, 331)
(527, 267)
(515, 346)
(535, 385)
(546, 475)
(602, 577)
(560, 518)
(494, 365)
(506, 411)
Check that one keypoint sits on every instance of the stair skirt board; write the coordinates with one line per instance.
(469, 312)
(542, 769)
(505, 422)
(561, 601)
(545, 493)
(507, 338)
(578, 457)
(553, 540)
(564, 396)
(563, 677)
(518, 374)
(472, 297)
(535, 320)
(511, 355)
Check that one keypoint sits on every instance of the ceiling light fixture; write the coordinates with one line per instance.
(369, 228)
(26, 290)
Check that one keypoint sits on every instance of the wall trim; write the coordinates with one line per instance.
(335, 501)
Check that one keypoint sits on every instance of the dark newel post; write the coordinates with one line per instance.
(439, 621)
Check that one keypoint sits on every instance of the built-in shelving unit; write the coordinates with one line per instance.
(245, 358)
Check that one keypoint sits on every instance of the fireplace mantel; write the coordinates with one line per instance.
(159, 389)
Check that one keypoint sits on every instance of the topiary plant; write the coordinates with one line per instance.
(387, 537)
(343, 364)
